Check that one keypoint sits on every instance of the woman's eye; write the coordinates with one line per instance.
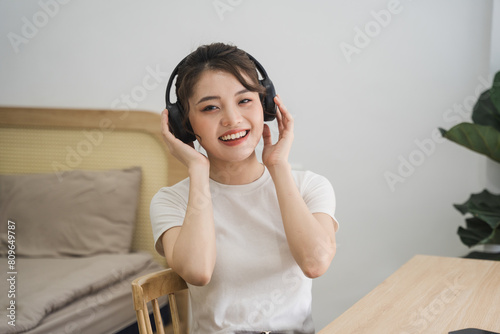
(245, 101)
(209, 108)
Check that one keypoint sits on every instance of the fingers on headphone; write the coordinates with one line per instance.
(280, 109)
(165, 130)
(285, 119)
(266, 135)
(164, 119)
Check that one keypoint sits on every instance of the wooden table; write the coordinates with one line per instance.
(428, 294)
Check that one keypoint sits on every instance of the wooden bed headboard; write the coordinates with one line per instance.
(44, 140)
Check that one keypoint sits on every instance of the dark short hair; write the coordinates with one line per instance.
(216, 57)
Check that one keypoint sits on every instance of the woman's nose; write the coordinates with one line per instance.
(230, 116)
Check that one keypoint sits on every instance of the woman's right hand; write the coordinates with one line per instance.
(185, 153)
(190, 249)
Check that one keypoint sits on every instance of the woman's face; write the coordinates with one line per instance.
(227, 118)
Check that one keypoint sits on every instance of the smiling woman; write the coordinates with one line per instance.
(216, 227)
(354, 122)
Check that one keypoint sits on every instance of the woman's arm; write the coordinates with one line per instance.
(190, 248)
(311, 237)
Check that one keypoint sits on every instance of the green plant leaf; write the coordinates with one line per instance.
(479, 138)
(477, 232)
(484, 206)
(485, 112)
(495, 91)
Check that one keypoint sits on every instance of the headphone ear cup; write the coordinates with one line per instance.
(268, 102)
(175, 120)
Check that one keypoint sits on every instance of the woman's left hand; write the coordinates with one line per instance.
(277, 154)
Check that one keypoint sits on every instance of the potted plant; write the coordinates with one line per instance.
(481, 136)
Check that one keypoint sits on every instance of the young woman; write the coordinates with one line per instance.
(247, 236)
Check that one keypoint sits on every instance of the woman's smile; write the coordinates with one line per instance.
(234, 137)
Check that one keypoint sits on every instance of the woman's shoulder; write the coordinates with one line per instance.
(179, 190)
(309, 182)
(306, 176)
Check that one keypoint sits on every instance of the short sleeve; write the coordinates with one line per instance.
(317, 192)
(167, 210)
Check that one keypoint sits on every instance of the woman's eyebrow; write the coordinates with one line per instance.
(208, 98)
(243, 91)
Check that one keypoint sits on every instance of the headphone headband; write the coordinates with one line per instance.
(176, 113)
(171, 80)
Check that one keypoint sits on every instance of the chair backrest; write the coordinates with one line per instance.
(149, 288)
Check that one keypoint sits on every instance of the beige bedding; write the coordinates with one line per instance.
(44, 286)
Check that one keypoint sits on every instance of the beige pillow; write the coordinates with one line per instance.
(83, 213)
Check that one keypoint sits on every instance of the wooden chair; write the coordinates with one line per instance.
(149, 288)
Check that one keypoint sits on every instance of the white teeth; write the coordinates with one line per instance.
(234, 136)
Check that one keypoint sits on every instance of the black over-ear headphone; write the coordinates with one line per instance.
(176, 112)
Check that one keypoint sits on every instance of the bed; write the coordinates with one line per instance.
(75, 188)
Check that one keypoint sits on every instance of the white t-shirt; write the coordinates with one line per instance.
(256, 284)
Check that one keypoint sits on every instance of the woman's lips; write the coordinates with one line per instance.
(234, 137)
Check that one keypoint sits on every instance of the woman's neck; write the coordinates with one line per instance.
(235, 173)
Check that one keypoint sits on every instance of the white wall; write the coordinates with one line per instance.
(356, 121)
